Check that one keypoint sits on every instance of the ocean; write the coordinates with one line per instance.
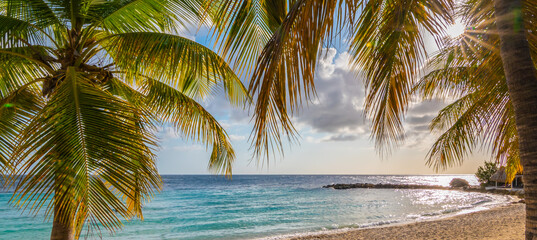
(270, 207)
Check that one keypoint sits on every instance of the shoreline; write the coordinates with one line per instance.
(503, 221)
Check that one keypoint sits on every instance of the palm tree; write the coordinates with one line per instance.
(482, 113)
(386, 42)
(83, 86)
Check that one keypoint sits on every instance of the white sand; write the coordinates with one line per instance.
(506, 222)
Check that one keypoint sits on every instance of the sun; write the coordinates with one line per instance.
(456, 29)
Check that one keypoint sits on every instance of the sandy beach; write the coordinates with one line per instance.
(505, 222)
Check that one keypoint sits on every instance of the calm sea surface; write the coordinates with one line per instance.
(270, 206)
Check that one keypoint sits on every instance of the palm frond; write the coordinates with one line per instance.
(189, 118)
(388, 46)
(192, 120)
(283, 75)
(16, 71)
(16, 111)
(28, 57)
(179, 62)
(243, 28)
(36, 12)
(480, 115)
(14, 31)
(157, 15)
(86, 151)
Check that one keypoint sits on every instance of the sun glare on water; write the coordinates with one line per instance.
(456, 29)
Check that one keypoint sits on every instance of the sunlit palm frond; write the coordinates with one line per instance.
(16, 71)
(284, 71)
(185, 114)
(192, 120)
(16, 33)
(388, 45)
(482, 113)
(504, 142)
(184, 64)
(243, 28)
(36, 12)
(456, 68)
(16, 110)
(125, 16)
(463, 124)
(85, 150)
(477, 12)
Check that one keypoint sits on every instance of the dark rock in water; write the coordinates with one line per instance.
(380, 185)
(519, 193)
(459, 183)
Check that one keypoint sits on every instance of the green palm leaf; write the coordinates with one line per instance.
(188, 117)
(192, 120)
(36, 12)
(17, 70)
(283, 76)
(15, 108)
(243, 28)
(177, 61)
(125, 16)
(67, 146)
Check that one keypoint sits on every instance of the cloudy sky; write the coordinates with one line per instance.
(334, 135)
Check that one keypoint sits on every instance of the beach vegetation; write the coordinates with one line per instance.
(484, 172)
(84, 88)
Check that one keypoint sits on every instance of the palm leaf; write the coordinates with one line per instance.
(192, 120)
(188, 117)
(16, 110)
(388, 45)
(177, 61)
(86, 149)
(283, 76)
(16, 71)
(36, 12)
(243, 28)
(125, 16)
(482, 114)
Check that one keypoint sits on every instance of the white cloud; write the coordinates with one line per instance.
(237, 137)
(337, 111)
(337, 114)
(417, 123)
(166, 133)
(193, 147)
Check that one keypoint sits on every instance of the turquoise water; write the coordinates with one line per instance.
(270, 206)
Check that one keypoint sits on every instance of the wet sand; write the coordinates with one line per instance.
(505, 222)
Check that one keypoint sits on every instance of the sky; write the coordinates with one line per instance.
(334, 134)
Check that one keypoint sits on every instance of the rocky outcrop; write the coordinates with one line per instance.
(459, 183)
(381, 185)
(519, 193)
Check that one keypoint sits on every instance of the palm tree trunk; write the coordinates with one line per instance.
(522, 84)
(61, 230)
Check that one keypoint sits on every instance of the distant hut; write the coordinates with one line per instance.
(499, 176)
